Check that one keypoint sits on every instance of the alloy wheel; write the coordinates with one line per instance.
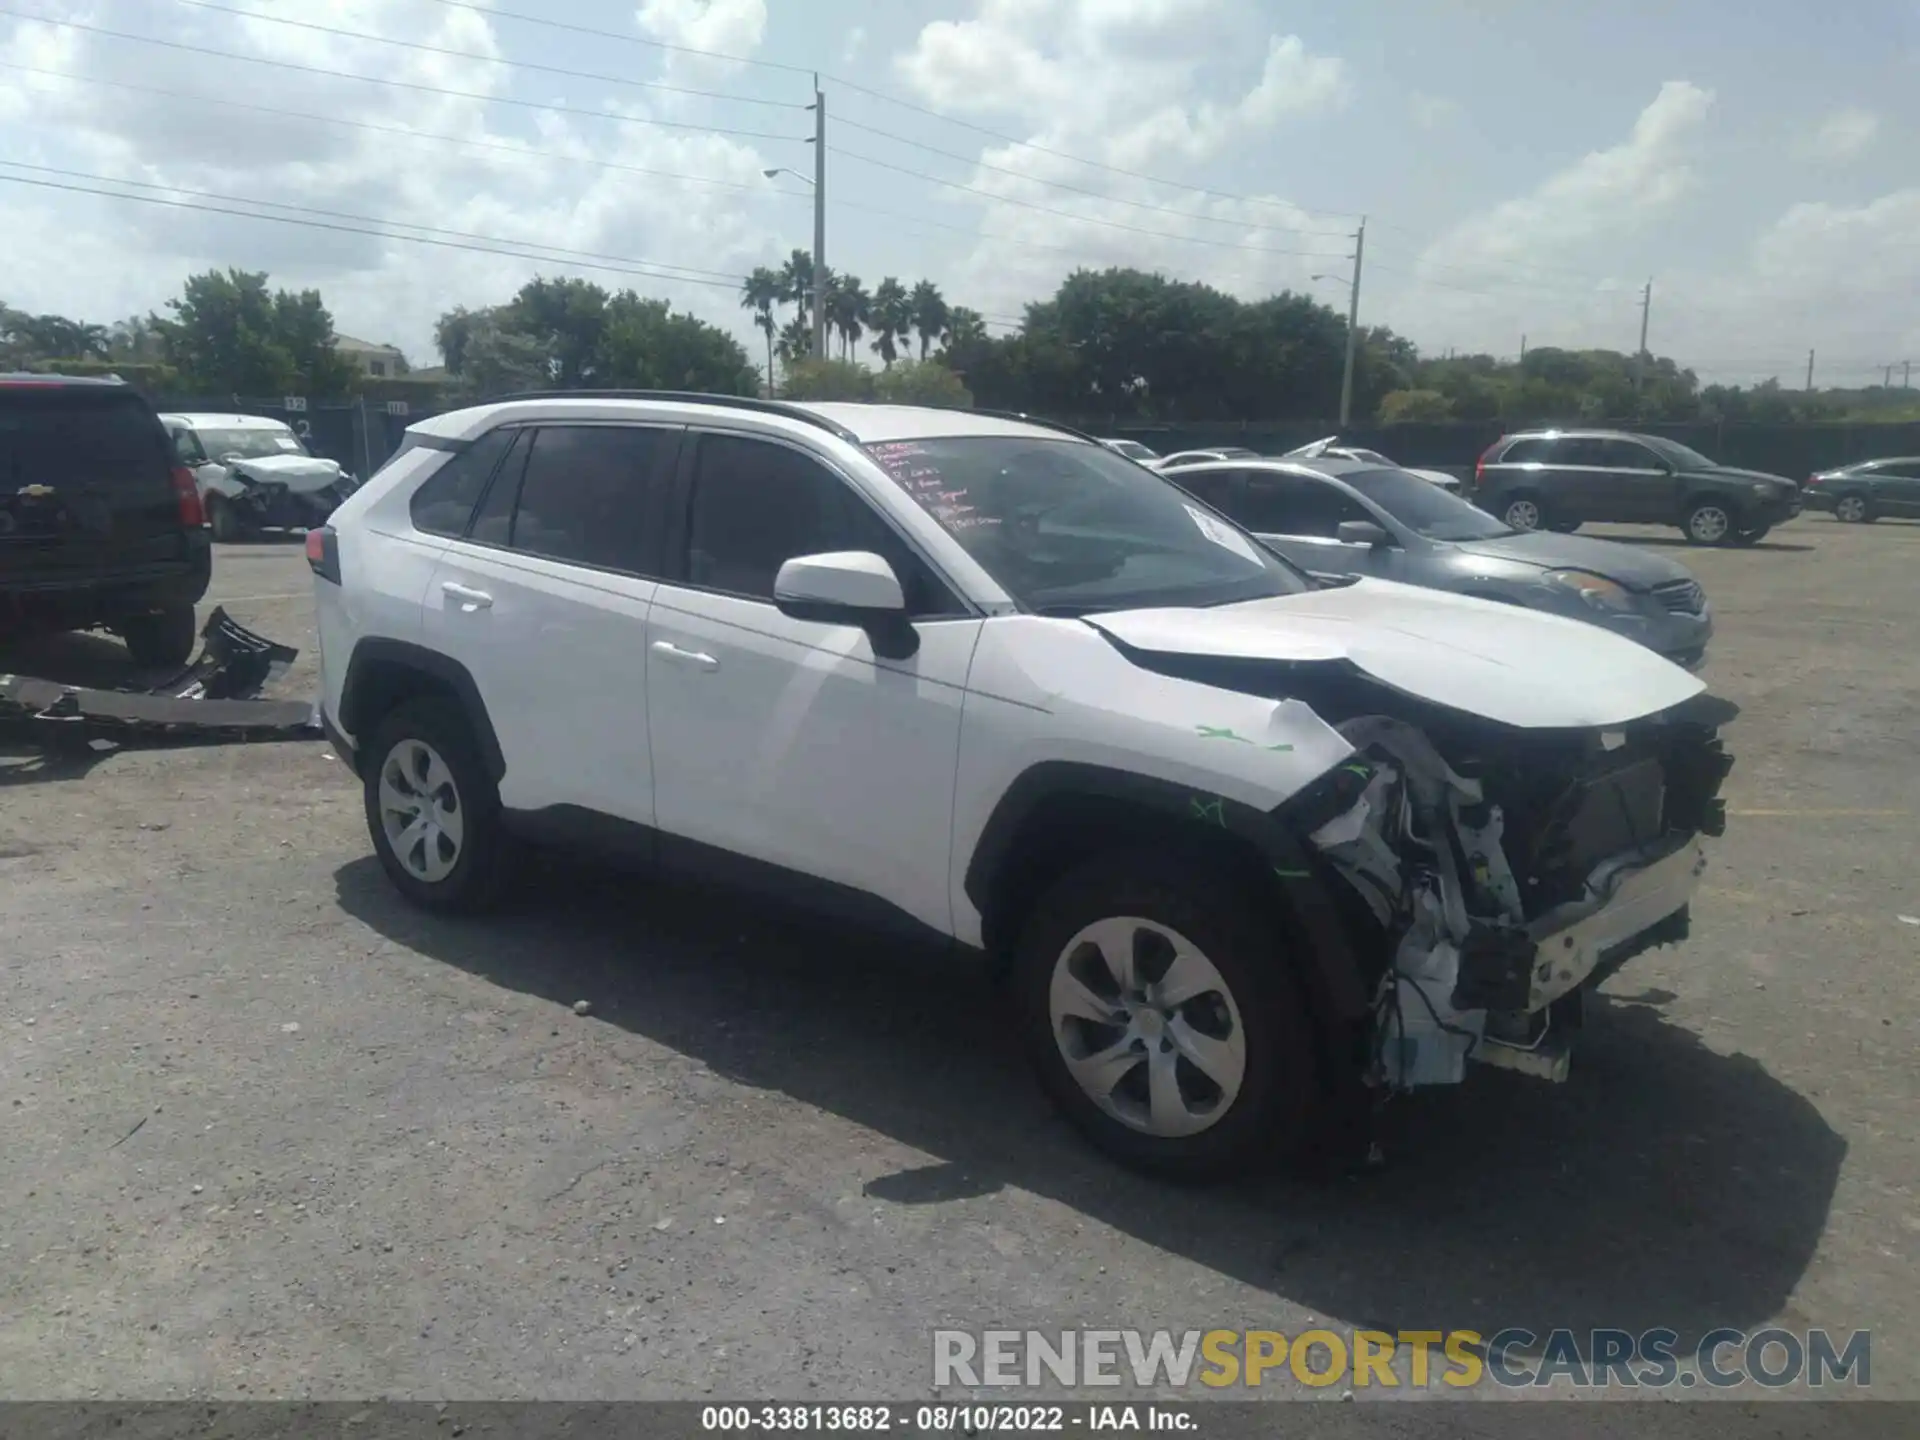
(1523, 515)
(420, 811)
(1850, 508)
(1147, 1026)
(1709, 524)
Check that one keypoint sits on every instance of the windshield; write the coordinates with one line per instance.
(1132, 449)
(1674, 453)
(1424, 507)
(250, 444)
(1068, 528)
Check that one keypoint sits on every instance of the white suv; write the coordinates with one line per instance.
(1240, 844)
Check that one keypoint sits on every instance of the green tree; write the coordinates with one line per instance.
(645, 346)
(922, 382)
(1406, 407)
(795, 342)
(762, 291)
(829, 380)
(228, 334)
(796, 282)
(849, 308)
(496, 359)
(570, 317)
(891, 310)
(931, 314)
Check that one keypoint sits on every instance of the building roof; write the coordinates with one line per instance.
(349, 342)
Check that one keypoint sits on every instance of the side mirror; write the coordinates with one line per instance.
(849, 587)
(1362, 532)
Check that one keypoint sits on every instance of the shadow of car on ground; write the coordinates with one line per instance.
(1666, 1185)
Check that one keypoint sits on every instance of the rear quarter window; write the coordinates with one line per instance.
(1528, 450)
(444, 502)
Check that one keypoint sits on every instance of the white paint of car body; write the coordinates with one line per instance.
(1501, 662)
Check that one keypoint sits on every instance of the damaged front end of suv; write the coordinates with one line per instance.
(1507, 808)
(1512, 874)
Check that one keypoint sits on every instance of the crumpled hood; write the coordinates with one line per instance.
(1633, 567)
(1501, 662)
(299, 473)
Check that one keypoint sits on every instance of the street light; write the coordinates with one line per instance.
(780, 170)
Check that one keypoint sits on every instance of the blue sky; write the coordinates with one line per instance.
(1524, 167)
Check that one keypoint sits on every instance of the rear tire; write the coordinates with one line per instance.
(162, 641)
(223, 521)
(1224, 1081)
(1853, 510)
(1563, 527)
(1744, 538)
(1522, 512)
(432, 810)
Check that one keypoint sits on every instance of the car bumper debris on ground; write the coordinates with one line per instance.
(212, 700)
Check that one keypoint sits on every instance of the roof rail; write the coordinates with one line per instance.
(1026, 419)
(693, 397)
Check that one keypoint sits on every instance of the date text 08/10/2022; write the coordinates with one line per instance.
(945, 1418)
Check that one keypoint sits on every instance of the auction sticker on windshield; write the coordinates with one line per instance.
(1225, 536)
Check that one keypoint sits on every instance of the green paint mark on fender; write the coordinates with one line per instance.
(1292, 874)
(1214, 810)
(1355, 767)
(1221, 732)
(1281, 748)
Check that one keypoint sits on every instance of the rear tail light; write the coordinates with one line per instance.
(323, 553)
(193, 514)
(1813, 479)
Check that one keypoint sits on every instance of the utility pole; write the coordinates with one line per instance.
(1886, 380)
(1523, 349)
(1809, 372)
(1906, 374)
(1353, 324)
(1640, 360)
(819, 221)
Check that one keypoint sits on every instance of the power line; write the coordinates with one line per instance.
(495, 12)
(518, 151)
(727, 275)
(1070, 215)
(1071, 189)
(397, 84)
(488, 59)
(732, 284)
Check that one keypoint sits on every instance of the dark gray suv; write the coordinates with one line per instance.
(1560, 479)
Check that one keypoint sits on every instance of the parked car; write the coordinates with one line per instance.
(98, 528)
(1560, 479)
(255, 473)
(1331, 449)
(980, 679)
(1861, 493)
(1133, 450)
(1201, 457)
(1350, 517)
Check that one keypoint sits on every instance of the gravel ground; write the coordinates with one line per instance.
(269, 1133)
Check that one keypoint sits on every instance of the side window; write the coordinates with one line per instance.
(493, 525)
(1584, 452)
(1279, 504)
(186, 448)
(583, 494)
(1628, 455)
(1213, 486)
(444, 502)
(1529, 450)
(757, 504)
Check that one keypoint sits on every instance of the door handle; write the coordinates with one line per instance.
(667, 650)
(469, 598)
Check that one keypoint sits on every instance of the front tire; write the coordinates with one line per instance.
(1708, 523)
(161, 641)
(433, 812)
(1563, 527)
(1157, 1008)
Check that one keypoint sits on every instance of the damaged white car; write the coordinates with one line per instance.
(1248, 851)
(255, 473)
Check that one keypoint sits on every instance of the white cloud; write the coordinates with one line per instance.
(732, 27)
(1842, 135)
(856, 41)
(101, 258)
(1156, 87)
(1430, 112)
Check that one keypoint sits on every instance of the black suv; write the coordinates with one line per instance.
(1559, 479)
(98, 528)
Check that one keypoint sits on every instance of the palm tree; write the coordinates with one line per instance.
(796, 340)
(849, 308)
(930, 314)
(892, 319)
(763, 290)
(796, 280)
(964, 327)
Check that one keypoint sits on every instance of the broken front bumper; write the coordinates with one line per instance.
(1626, 897)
